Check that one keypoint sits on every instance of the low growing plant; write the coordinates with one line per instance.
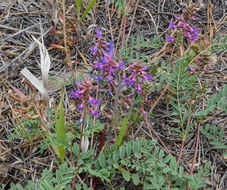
(117, 97)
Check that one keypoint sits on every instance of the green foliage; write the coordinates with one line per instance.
(78, 5)
(61, 132)
(215, 135)
(161, 76)
(135, 51)
(120, 4)
(218, 100)
(132, 51)
(182, 88)
(48, 182)
(31, 126)
(139, 161)
(218, 45)
(93, 128)
(123, 128)
(88, 8)
(155, 170)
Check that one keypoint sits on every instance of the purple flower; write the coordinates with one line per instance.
(194, 34)
(172, 25)
(149, 77)
(178, 18)
(192, 38)
(98, 65)
(129, 82)
(186, 34)
(110, 48)
(139, 89)
(170, 39)
(81, 107)
(109, 78)
(191, 69)
(94, 112)
(76, 94)
(98, 32)
(120, 66)
(137, 76)
(189, 32)
(98, 77)
(93, 50)
(93, 102)
(83, 93)
(104, 60)
(195, 31)
(109, 93)
(116, 83)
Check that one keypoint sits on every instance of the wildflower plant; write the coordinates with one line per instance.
(183, 23)
(105, 65)
(182, 30)
(114, 73)
(84, 94)
(137, 76)
(117, 93)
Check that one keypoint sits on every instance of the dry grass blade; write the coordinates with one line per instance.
(45, 67)
(45, 62)
(32, 79)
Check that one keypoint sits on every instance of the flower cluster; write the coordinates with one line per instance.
(184, 24)
(105, 68)
(83, 93)
(137, 76)
(105, 65)
(102, 46)
(184, 30)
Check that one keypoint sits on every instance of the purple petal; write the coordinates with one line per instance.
(109, 78)
(170, 39)
(172, 25)
(80, 107)
(116, 83)
(94, 113)
(98, 32)
(80, 122)
(94, 102)
(98, 78)
(78, 85)
(149, 77)
(104, 60)
(191, 69)
(98, 65)
(186, 34)
(76, 94)
(93, 50)
(121, 66)
(128, 81)
(178, 18)
(139, 89)
(110, 48)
